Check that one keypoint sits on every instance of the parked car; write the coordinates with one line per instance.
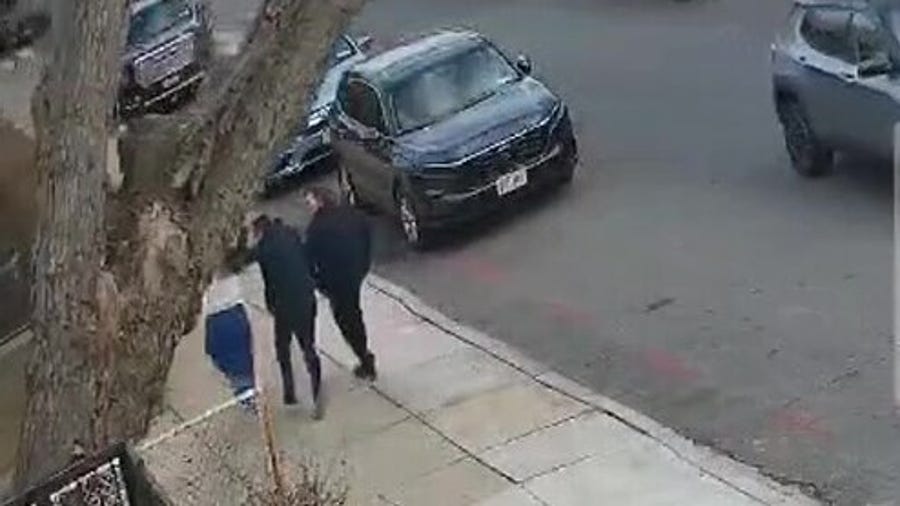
(311, 144)
(444, 129)
(167, 52)
(836, 74)
(20, 26)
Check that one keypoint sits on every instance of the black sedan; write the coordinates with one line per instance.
(310, 144)
(444, 129)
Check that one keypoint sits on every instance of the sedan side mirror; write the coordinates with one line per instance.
(364, 42)
(878, 64)
(523, 63)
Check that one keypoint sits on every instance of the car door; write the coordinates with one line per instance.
(826, 64)
(872, 99)
(364, 143)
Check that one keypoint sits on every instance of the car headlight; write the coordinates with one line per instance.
(317, 117)
(556, 117)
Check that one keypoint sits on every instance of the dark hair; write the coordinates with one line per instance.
(325, 196)
(261, 223)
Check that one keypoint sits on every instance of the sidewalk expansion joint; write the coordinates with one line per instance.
(421, 419)
(587, 411)
(413, 310)
(400, 300)
(557, 468)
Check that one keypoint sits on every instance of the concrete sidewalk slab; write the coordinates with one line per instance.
(573, 440)
(493, 418)
(464, 482)
(512, 496)
(454, 419)
(635, 477)
(446, 380)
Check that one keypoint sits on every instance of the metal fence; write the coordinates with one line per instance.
(112, 478)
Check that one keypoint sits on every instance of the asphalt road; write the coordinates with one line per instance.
(688, 272)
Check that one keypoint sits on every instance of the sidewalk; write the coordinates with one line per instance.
(455, 418)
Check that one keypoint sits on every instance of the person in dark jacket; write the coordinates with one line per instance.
(290, 297)
(340, 250)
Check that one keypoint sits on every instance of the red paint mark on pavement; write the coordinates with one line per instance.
(669, 365)
(568, 313)
(799, 422)
(478, 269)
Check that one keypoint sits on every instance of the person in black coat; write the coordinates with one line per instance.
(290, 297)
(340, 250)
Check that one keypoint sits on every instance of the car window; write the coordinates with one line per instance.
(827, 31)
(450, 85)
(360, 102)
(870, 40)
(154, 19)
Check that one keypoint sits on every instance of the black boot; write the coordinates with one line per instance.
(287, 383)
(366, 370)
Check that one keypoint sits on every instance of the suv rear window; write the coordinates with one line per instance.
(828, 31)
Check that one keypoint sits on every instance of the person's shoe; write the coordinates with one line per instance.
(318, 408)
(366, 370)
(290, 399)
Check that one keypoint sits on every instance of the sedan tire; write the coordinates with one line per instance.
(809, 156)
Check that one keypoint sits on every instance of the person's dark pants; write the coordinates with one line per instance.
(302, 327)
(348, 316)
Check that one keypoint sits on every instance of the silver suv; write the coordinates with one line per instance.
(836, 74)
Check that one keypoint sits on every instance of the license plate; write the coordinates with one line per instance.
(511, 182)
(171, 81)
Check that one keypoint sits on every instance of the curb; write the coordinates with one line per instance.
(739, 476)
(15, 339)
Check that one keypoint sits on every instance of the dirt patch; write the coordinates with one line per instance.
(18, 217)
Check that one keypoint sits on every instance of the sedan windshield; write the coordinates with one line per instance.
(156, 18)
(450, 86)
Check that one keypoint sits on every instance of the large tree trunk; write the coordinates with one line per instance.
(72, 350)
(119, 275)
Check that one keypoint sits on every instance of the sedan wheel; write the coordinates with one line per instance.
(808, 156)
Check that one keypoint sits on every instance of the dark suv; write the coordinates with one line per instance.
(167, 52)
(836, 80)
(445, 128)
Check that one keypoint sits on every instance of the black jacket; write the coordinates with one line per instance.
(340, 248)
(285, 271)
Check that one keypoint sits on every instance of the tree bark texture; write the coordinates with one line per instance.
(66, 378)
(119, 274)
